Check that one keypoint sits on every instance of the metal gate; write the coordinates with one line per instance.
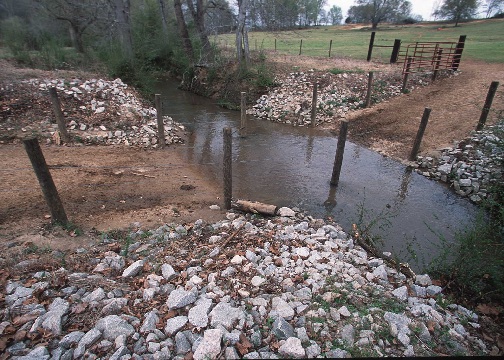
(431, 56)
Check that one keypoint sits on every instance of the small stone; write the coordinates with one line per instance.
(292, 348)
(174, 324)
(257, 281)
(433, 290)
(210, 346)
(401, 293)
(134, 269)
(168, 272)
(112, 326)
(282, 329)
(423, 280)
(344, 311)
(285, 211)
(180, 298)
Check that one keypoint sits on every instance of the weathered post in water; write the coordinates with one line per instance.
(488, 105)
(160, 123)
(243, 119)
(227, 168)
(340, 149)
(58, 114)
(420, 133)
(314, 106)
(46, 182)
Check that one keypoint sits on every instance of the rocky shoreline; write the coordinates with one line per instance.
(471, 167)
(245, 287)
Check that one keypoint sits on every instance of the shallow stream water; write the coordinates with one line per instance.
(288, 166)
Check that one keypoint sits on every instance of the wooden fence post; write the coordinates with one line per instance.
(406, 74)
(369, 88)
(420, 133)
(227, 168)
(275, 45)
(58, 114)
(314, 105)
(395, 51)
(488, 105)
(370, 49)
(340, 149)
(243, 119)
(300, 46)
(330, 47)
(46, 182)
(160, 123)
(458, 52)
(438, 61)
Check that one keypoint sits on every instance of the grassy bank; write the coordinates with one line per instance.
(485, 39)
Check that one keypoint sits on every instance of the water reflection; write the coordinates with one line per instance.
(289, 166)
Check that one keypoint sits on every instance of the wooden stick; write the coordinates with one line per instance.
(255, 207)
(58, 114)
(488, 104)
(369, 88)
(46, 182)
(227, 168)
(243, 109)
(419, 136)
(340, 149)
(160, 123)
(314, 106)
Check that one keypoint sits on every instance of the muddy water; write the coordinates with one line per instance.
(288, 166)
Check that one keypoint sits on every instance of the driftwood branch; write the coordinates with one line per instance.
(255, 207)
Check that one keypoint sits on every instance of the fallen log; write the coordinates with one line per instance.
(255, 207)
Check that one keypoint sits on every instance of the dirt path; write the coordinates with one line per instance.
(456, 104)
(103, 188)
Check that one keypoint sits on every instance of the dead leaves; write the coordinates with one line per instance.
(243, 345)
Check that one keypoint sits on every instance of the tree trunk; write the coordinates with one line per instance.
(76, 37)
(122, 12)
(198, 15)
(184, 33)
(242, 49)
(163, 17)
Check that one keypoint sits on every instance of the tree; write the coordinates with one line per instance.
(78, 14)
(457, 10)
(242, 45)
(122, 19)
(377, 11)
(184, 33)
(493, 7)
(335, 15)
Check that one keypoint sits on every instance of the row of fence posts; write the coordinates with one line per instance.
(342, 136)
(55, 205)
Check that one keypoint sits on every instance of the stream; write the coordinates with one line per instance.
(292, 166)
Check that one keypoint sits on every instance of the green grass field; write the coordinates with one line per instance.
(484, 42)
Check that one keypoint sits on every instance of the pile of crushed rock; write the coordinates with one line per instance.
(245, 287)
(97, 111)
(338, 94)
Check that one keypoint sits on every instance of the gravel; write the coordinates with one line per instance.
(323, 295)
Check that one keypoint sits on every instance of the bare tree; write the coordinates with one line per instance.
(122, 18)
(78, 14)
(163, 16)
(184, 33)
(198, 15)
(242, 45)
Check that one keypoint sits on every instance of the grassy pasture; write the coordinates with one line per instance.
(485, 39)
